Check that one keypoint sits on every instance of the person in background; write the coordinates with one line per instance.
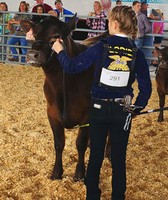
(151, 14)
(118, 56)
(145, 10)
(98, 22)
(4, 18)
(118, 3)
(60, 10)
(14, 23)
(47, 7)
(38, 18)
(106, 5)
(143, 24)
(158, 28)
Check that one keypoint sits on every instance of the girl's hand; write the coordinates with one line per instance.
(57, 46)
(30, 36)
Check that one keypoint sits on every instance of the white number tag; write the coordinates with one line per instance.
(114, 78)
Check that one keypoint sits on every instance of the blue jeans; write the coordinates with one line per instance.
(148, 41)
(23, 42)
(139, 42)
(107, 117)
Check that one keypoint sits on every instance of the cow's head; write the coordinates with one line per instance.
(162, 57)
(44, 35)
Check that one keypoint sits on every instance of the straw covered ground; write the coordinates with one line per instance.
(27, 152)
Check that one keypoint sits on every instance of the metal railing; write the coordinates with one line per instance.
(4, 48)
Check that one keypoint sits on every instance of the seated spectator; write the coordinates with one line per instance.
(158, 28)
(118, 3)
(15, 24)
(47, 7)
(38, 18)
(143, 24)
(60, 10)
(98, 22)
(4, 18)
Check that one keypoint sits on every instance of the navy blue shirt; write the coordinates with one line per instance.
(94, 54)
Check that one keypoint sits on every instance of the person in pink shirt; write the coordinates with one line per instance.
(158, 28)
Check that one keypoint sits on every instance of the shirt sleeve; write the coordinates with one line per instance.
(143, 78)
(79, 63)
(148, 27)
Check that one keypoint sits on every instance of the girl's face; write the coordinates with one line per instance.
(22, 7)
(39, 10)
(3, 7)
(96, 6)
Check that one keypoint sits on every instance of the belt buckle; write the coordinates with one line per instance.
(118, 100)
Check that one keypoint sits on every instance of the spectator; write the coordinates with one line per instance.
(62, 11)
(148, 40)
(38, 18)
(106, 5)
(47, 7)
(145, 9)
(143, 24)
(118, 3)
(96, 23)
(158, 28)
(14, 23)
(4, 18)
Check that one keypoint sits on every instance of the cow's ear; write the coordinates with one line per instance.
(26, 25)
(72, 23)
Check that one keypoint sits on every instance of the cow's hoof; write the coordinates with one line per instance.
(78, 179)
(56, 177)
(160, 120)
(79, 173)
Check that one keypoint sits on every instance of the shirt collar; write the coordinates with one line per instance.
(121, 35)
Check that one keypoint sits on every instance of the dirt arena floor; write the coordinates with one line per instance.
(27, 152)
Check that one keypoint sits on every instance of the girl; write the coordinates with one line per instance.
(97, 23)
(38, 18)
(117, 63)
(4, 18)
(15, 23)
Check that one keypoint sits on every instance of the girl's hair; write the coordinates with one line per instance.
(126, 18)
(26, 9)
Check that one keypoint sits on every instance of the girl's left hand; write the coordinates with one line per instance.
(57, 46)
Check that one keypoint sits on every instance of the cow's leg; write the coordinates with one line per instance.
(81, 145)
(161, 104)
(59, 143)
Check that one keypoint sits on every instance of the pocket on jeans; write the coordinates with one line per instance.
(97, 112)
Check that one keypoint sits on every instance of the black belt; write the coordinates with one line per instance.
(117, 100)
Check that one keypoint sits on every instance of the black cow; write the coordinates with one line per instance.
(162, 78)
(68, 95)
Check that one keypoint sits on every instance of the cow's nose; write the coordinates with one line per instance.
(32, 56)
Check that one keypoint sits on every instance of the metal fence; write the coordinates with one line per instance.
(5, 52)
